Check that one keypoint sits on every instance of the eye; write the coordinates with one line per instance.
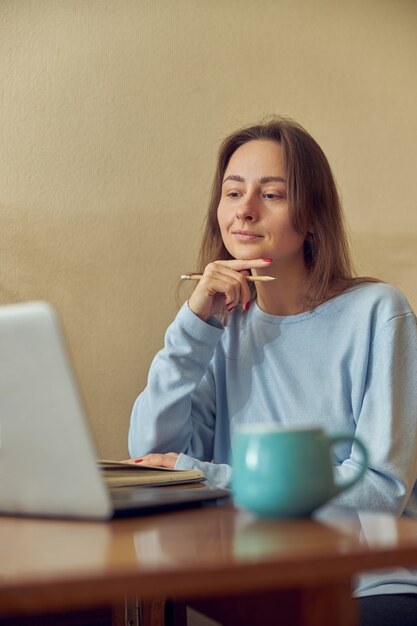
(232, 194)
(273, 196)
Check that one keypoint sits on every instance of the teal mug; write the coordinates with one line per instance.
(281, 472)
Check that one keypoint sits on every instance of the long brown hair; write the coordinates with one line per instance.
(312, 198)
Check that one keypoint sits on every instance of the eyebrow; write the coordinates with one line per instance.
(263, 180)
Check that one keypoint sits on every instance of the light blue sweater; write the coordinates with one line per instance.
(350, 365)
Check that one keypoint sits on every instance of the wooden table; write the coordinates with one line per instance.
(215, 557)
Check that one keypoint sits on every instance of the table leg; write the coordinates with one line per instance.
(135, 611)
(153, 612)
(122, 612)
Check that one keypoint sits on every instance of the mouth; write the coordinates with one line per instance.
(246, 235)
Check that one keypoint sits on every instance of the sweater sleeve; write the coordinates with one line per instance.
(387, 424)
(176, 411)
(217, 474)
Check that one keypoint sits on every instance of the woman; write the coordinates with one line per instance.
(314, 346)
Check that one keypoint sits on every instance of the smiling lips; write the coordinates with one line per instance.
(246, 235)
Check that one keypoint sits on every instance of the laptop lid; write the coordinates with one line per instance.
(48, 461)
(47, 457)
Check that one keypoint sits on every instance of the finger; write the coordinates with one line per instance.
(245, 264)
(220, 279)
(245, 292)
(222, 284)
(221, 271)
(158, 460)
(218, 272)
(241, 293)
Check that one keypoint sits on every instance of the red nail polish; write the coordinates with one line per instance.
(247, 306)
(138, 460)
(267, 260)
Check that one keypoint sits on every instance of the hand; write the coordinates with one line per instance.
(223, 285)
(156, 460)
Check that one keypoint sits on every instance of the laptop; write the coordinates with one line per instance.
(48, 460)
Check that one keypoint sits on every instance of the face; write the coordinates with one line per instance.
(253, 211)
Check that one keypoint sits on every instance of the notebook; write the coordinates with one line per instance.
(48, 460)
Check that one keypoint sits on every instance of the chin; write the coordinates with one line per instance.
(246, 253)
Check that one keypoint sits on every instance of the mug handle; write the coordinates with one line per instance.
(364, 461)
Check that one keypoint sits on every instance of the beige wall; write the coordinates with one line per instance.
(110, 116)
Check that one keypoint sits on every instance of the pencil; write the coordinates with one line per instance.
(252, 279)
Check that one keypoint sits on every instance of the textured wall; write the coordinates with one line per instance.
(110, 117)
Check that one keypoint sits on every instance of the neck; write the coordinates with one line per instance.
(285, 296)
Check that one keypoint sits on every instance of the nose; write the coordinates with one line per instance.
(247, 211)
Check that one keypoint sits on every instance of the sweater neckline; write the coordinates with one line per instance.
(297, 317)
